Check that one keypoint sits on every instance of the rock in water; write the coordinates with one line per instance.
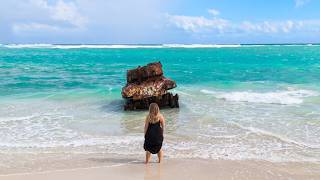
(146, 85)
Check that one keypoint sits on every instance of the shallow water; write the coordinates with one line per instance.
(237, 102)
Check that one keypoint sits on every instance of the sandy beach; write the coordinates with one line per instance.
(225, 89)
(124, 168)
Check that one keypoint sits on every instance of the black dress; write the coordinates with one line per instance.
(153, 138)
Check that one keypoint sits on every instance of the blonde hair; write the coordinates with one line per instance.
(154, 113)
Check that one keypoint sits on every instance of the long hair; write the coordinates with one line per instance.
(154, 113)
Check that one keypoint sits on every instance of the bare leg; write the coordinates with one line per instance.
(148, 155)
(160, 154)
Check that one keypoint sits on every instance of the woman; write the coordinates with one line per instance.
(153, 132)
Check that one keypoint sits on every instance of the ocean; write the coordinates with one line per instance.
(238, 102)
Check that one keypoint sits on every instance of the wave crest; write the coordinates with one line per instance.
(278, 97)
(116, 46)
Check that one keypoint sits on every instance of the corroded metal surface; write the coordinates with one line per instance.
(147, 84)
(148, 88)
(143, 73)
(166, 100)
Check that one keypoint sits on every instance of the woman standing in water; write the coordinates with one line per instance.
(153, 132)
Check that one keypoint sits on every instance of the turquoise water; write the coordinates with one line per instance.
(237, 102)
(62, 69)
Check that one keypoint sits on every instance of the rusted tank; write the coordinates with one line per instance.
(146, 85)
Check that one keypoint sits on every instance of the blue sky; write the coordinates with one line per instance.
(159, 21)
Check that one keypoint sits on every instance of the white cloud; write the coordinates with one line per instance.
(299, 3)
(200, 24)
(83, 21)
(25, 27)
(269, 26)
(214, 12)
(67, 11)
(61, 16)
(284, 27)
(197, 24)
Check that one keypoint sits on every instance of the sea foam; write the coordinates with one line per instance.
(132, 46)
(117, 46)
(201, 45)
(277, 97)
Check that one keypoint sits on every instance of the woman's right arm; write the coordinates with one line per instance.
(162, 122)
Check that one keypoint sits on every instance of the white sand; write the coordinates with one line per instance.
(181, 169)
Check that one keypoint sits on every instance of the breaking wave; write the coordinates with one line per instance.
(132, 46)
(201, 45)
(116, 46)
(278, 97)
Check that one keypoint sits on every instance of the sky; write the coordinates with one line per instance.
(159, 21)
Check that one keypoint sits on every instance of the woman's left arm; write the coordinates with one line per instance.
(146, 124)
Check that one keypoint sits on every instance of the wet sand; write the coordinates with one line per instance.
(179, 169)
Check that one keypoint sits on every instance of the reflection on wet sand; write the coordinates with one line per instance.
(153, 171)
